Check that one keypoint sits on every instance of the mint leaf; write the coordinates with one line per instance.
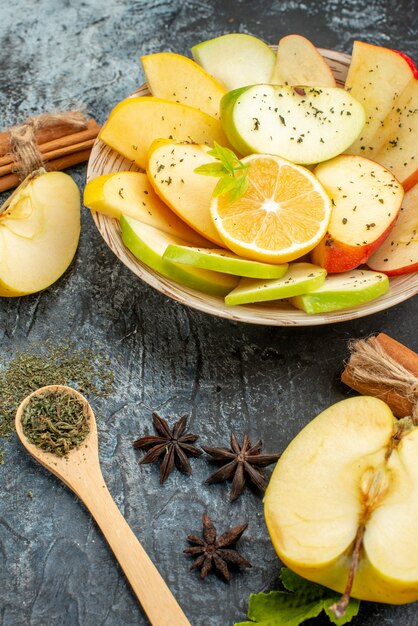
(301, 601)
(232, 172)
(211, 169)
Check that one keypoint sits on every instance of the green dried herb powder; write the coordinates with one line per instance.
(55, 421)
(51, 363)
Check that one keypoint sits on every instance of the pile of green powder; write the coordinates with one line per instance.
(49, 363)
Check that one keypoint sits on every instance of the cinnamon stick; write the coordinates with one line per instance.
(401, 403)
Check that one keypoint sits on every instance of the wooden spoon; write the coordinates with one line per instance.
(80, 471)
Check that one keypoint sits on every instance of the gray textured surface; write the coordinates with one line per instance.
(55, 568)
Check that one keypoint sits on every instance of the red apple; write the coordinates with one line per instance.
(411, 63)
(399, 252)
(366, 200)
(376, 77)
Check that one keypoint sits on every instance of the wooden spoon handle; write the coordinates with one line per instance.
(150, 588)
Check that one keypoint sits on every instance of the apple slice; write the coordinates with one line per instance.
(148, 244)
(135, 123)
(131, 194)
(398, 138)
(303, 124)
(376, 77)
(398, 254)
(39, 233)
(300, 278)
(221, 260)
(350, 476)
(171, 172)
(299, 63)
(366, 201)
(236, 59)
(343, 291)
(179, 79)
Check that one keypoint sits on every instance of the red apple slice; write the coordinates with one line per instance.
(299, 63)
(410, 62)
(398, 254)
(366, 200)
(376, 78)
(399, 152)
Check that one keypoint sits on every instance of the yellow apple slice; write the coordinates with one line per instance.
(130, 193)
(351, 470)
(298, 62)
(179, 79)
(135, 123)
(171, 172)
(39, 233)
(148, 244)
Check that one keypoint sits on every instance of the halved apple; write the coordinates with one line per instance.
(398, 254)
(366, 200)
(131, 194)
(148, 244)
(171, 172)
(342, 291)
(299, 278)
(39, 233)
(303, 124)
(298, 62)
(376, 77)
(179, 79)
(236, 59)
(135, 123)
(351, 471)
(221, 260)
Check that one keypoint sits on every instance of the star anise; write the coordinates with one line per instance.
(218, 553)
(174, 445)
(241, 462)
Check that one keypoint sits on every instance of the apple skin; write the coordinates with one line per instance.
(410, 62)
(314, 502)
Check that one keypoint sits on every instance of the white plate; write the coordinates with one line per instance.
(104, 160)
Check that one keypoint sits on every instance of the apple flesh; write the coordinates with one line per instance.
(342, 291)
(303, 124)
(299, 63)
(366, 201)
(398, 254)
(148, 244)
(179, 79)
(376, 77)
(131, 194)
(346, 468)
(39, 233)
(171, 172)
(136, 122)
(236, 60)
(299, 278)
(223, 261)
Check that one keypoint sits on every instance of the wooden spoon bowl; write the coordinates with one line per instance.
(80, 471)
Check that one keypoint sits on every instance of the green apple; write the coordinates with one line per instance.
(148, 244)
(221, 260)
(299, 278)
(303, 124)
(349, 477)
(236, 59)
(341, 291)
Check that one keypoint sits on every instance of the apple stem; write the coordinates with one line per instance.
(340, 607)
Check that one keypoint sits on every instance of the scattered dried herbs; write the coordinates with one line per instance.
(51, 363)
(55, 421)
(175, 445)
(218, 553)
(241, 462)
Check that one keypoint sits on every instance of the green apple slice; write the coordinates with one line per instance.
(236, 59)
(300, 278)
(341, 291)
(148, 244)
(221, 260)
(303, 124)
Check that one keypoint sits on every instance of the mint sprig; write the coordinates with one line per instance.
(232, 173)
(301, 600)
